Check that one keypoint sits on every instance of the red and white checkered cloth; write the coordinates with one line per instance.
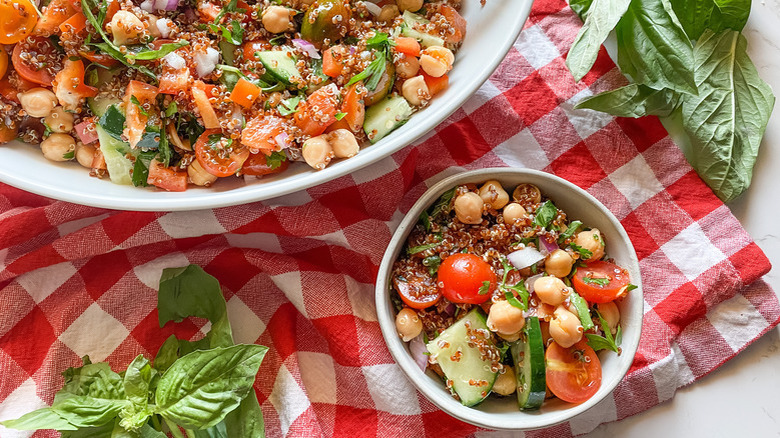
(298, 271)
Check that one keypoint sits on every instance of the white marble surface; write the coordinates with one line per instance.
(742, 397)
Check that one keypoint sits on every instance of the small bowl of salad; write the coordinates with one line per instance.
(511, 298)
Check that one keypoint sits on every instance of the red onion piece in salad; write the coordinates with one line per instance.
(307, 47)
(283, 140)
(419, 352)
(373, 8)
(548, 246)
(529, 282)
(523, 258)
(172, 5)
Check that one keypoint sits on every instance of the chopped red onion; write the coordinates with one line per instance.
(525, 257)
(373, 8)
(283, 140)
(418, 351)
(148, 5)
(548, 246)
(172, 5)
(160, 4)
(164, 26)
(86, 132)
(450, 309)
(529, 282)
(307, 47)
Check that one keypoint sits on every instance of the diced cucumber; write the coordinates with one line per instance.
(408, 30)
(99, 104)
(464, 367)
(114, 151)
(385, 116)
(528, 356)
(281, 66)
(228, 52)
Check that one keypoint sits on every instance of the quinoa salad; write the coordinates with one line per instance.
(174, 93)
(498, 291)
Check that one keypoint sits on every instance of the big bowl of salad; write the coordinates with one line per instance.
(510, 298)
(182, 104)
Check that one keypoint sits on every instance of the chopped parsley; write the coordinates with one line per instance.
(69, 155)
(510, 290)
(137, 103)
(573, 227)
(598, 281)
(545, 214)
(340, 116)
(432, 263)
(606, 342)
(584, 253)
(485, 288)
(289, 106)
(275, 160)
(421, 248)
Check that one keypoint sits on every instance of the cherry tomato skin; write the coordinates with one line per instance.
(462, 275)
(416, 292)
(257, 165)
(40, 46)
(19, 20)
(573, 374)
(587, 282)
(3, 63)
(213, 161)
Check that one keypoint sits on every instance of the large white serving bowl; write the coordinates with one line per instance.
(503, 413)
(492, 30)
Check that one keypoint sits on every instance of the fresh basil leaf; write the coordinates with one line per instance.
(580, 7)
(113, 122)
(380, 41)
(730, 14)
(372, 74)
(443, 206)
(171, 109)
(633, 100)
(728, 117)
(582, 310)
(190, 291)
(104, 431)
(217, 431)
(653, 48)
(141, 168)
(716, 15)
(603, 16)
(545, 214)
(289, 106)
(247, 419)
(167, 354)
(136, 380)
(164, 49)
(572, 228)
(86, 411)
(597, 342)
(199, 389)
(585, 254)
(134, 100)
(597, 281)
(432, 263)
(420, 248)
(45, 418)
(132, 417)
(95, 380)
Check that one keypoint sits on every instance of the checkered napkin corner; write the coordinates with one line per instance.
(298, 272)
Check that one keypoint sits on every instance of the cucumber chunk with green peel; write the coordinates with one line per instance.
(114, 152)
(280, 65)
(412, 20)
(468, 371)
(98, 105)
(385, 116)
(528, 356)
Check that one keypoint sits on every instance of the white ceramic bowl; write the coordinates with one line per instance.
(495, 413)
(492, 30)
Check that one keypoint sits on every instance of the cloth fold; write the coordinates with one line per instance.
(298, 272)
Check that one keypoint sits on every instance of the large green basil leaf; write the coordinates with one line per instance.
(167, 354)
(247, 419)
(633, 100)
(199, 389)
(45, 418)
(190, 291)
(698, 15)
(602, 17)
(218, 431)
(653, 48)
(728, 117)
(87, 411)
(580, 7)
(104, 431)
(95, 380)
(136, 381)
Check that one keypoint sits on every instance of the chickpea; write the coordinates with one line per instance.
(409, 5)
(38, 102)
(199, 176)
(551, 290)
(527, 194)
(407, 67)
(388, 13)
(317, 152)
(415, 90)
(506, 383)
(85, 154)
(343, 143)
(610, 312)
(408, 324)
(592, 241)
(126, 27)
(57, 145)
(274, 99)
(505, 319)
(493, 194)
(565, 328)
(514, 213)
(558, 263)
(59, 120)
(436, 61)
(545, 326)
(277, 19)
(468, 208)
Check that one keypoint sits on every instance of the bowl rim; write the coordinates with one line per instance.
(433, 392)
(166, 201)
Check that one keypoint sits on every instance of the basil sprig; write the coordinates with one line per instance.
(205, 386)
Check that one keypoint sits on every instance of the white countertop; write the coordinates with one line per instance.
(740, 398)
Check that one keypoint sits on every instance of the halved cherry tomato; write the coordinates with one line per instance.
(145, 96)
(3, 63)
(8, 132)
(435, 85)
(11, 91)
(166, 177)
(457, 22)
(99, 58)
(353, 108)
(257, 165)
(407, 46)
(252, 47)
(261, 132)
(463, 277)
(44, 70)
(19, 18)
(318, 111)
(75, 24)
(217, 159)
(54, 14)
(600, 282)
(418, 292)
(573, 374)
